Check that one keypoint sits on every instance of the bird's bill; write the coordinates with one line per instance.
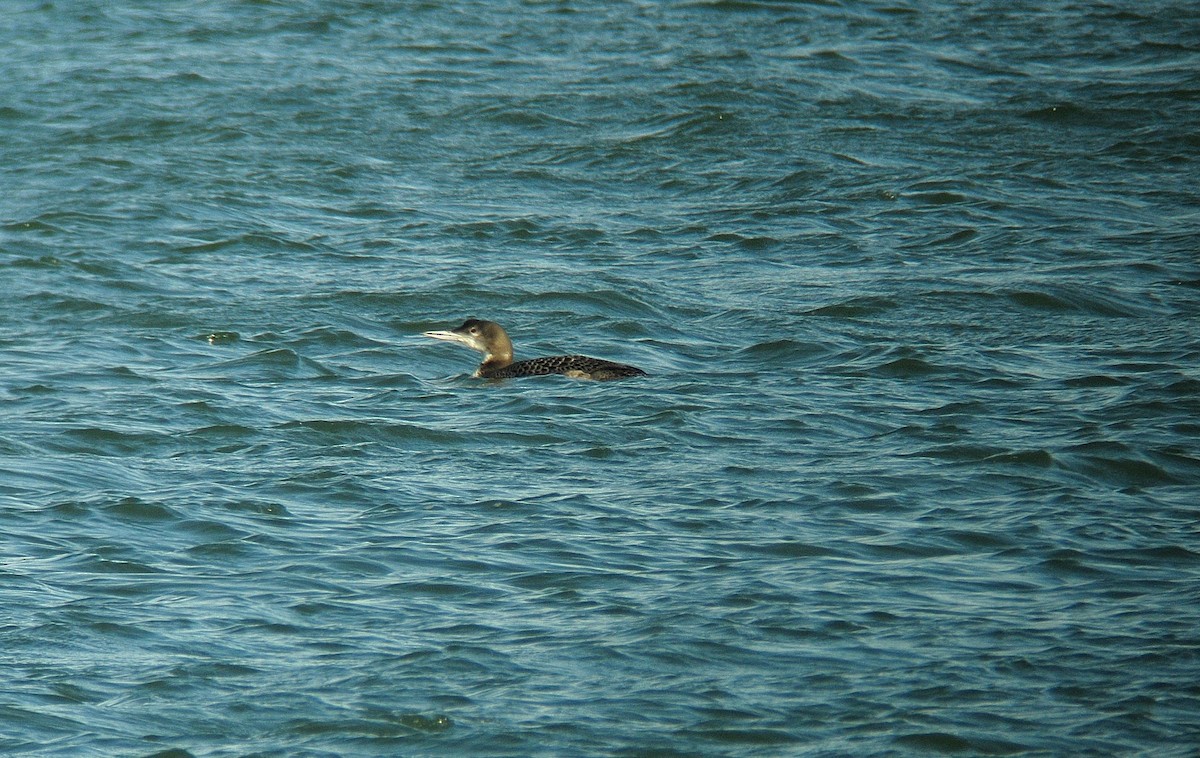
(447, 336)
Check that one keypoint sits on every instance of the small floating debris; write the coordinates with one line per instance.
(220, 338)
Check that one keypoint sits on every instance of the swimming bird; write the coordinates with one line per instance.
(489, 338)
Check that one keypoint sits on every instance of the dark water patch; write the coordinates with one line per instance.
(746, 242)
(784, 349)
(977, 540)
(232, 551)
(1072, 300)
(1096, 381)
(1032, 458)
(1118, 465)
(330, 336)
(959, 238)
(962, 453)
(38, 718)
(524, 115)
(258, 242)
(211, 529)
(360, 566)
(857, 307)
(868, 503)
(109, 442)
(668, 128)
(67, 305)
(969, 408)
(949, 743)
(757, 737)
(899, 362)
(119, 630)
(741, 6)
(352, 431)
(1185, 388)
(71, 509)
(1070, 564)
(257, 508)
(938, 197)
(440, 589)
(34, 226)
(521, 228)
(1183, 463)
(136, 509)
(1167, 555)
(905, 368)
(1065, 114)
(375, 729)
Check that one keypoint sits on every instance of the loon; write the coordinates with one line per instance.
(489, 338)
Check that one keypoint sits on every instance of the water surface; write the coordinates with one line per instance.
(914, 472)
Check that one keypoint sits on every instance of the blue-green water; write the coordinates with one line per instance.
(915, 470)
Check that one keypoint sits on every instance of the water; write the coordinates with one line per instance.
(915, 470)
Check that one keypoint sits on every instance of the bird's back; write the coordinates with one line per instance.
(576, 366)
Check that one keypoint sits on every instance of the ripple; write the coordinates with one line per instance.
(266, 365)
(109, 442)
(136, 509)
(353, 431)
(858, 307)
(1123, 471)
(1070, 300)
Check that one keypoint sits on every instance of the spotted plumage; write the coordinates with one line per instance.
(490, 339)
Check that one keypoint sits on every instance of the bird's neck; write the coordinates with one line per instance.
(492, 362)
(498, 355)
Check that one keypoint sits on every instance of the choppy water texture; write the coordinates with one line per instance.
(915, 470)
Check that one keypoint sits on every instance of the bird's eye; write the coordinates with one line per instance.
(474, 330)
